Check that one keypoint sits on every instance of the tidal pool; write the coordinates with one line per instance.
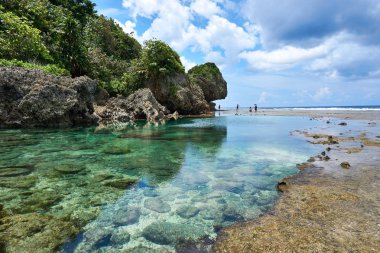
(149, 188)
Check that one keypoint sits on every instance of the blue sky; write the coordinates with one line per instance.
(273, 53)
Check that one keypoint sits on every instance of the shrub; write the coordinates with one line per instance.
(49, 69)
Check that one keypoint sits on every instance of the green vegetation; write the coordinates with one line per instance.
(208, 70)
(49, 68)
(67, 36)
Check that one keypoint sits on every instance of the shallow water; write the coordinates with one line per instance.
(191, 177)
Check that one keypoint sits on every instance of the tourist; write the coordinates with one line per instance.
(255, 107)
(250, 109)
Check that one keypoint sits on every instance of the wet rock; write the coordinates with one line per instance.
(345, 165)
(342, 124)
(14, 171)
(187, 212)
(123, 183)
(69, 168)
(303, 166)
(323, 153)
(328, 149)
(311, 159)
(282, 186)
(127, 217)
(166, 233)
(157, 205)
(203, 245)
(326, 158)
(31, 98)
(99, 237)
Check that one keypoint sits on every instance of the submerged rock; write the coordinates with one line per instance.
(69, 168)
(166, 233)
(31, 98)
(157, 205)
(187, 212)
(14, 171)
(35, 232)
(123, 183)
(127, 217)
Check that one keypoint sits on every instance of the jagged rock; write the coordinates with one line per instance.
(211, 81)
(139, 105)
(31, 98)
(101, 96)
(178, 93)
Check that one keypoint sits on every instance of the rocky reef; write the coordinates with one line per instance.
(31, 98)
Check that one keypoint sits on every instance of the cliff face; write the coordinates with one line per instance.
(192, 93)
(31, 98)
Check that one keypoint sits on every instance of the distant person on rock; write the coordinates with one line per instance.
(250, 109)
(237, 107)
(219, 107)
(255, 107)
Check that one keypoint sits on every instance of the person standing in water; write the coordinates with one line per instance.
(219, 107)
(237, 107)
(255, 107)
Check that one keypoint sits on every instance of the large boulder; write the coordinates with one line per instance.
(177, 93)
(32, 98)
(139, 105)
(210, 79)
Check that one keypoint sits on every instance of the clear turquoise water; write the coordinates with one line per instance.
(193, 176)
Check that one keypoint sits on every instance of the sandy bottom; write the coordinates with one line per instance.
(326, 207)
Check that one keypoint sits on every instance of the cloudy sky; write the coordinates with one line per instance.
(271, 52)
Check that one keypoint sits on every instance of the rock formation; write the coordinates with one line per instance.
(208, 77)
(139, 105)
(31, 98)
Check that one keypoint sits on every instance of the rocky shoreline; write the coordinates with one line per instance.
(332, 205)
(32, 98)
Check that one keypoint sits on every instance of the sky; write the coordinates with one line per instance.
(270, 52)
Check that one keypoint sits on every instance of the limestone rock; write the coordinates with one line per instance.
(31, 98)
(139, 105)
(208, 77)
(345, 165)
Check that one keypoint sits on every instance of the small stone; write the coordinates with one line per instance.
(345, 165)
(157, 205)
(281, 186)
(342, 124)
(328, 149)
(326, 158)
(311, 159)
(323, 153)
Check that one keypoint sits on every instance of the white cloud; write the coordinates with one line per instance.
(188, 64)
(173, 21)
(205, 8)
(322, 93)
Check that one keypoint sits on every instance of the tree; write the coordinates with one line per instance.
(19, 40)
